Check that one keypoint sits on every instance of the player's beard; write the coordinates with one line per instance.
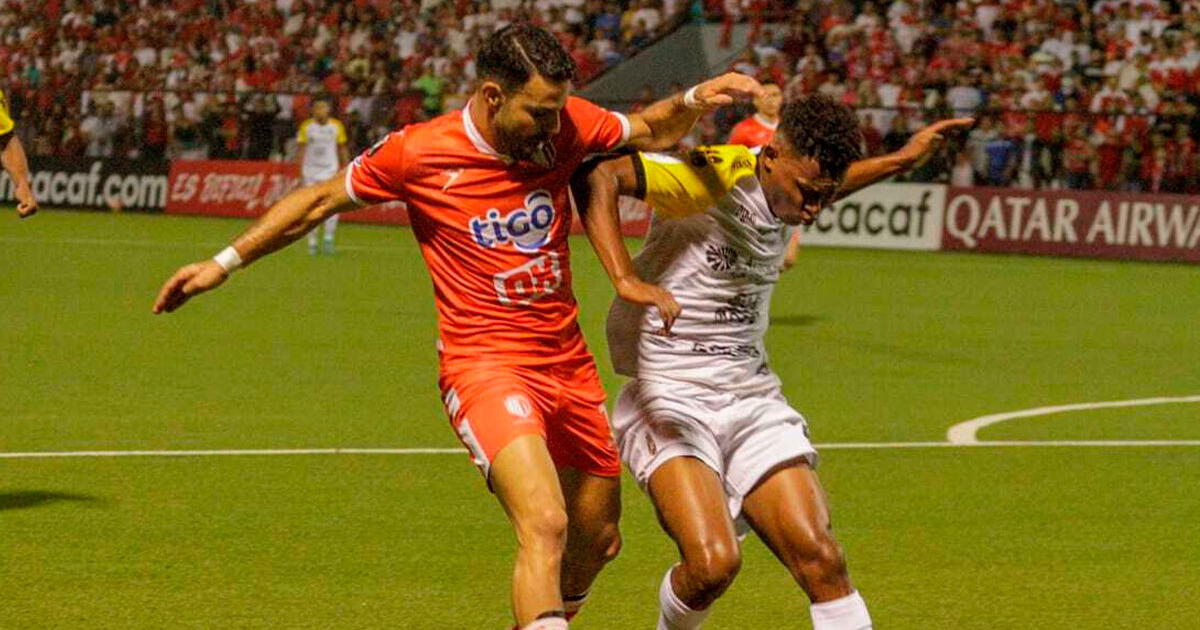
(539, 151)
(543, 154)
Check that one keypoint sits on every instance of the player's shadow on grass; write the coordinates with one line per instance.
(796, 320)
(25, 499)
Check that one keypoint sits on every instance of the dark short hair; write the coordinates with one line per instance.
(819, 127)
(516, 53)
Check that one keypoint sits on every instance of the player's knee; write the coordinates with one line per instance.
(544, 529)
(713, 566)
(831, 560)
(608, 543)
(820, 561)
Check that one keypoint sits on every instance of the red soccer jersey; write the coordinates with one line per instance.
(493, 233)
(752, 132)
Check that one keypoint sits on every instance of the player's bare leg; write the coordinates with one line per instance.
(593, 538)
(526, 483)
(789, 511)
(693, 510)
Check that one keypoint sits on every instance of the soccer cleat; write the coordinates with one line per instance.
(312, 249)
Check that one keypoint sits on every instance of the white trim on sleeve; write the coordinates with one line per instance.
(350, 185)
(626, 129)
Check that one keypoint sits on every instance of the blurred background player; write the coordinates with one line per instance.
(756, 131)
(487, 190)
(704, 426)
(12, 157)
(322, 153)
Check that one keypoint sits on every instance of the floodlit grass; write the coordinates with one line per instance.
(299, 352)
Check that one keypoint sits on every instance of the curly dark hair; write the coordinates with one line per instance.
(518, 52)
(819, 127)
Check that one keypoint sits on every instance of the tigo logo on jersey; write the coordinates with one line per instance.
(527, 228)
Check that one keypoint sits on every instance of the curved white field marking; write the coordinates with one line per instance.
(964, 433)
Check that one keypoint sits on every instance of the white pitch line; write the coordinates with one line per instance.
(964, 433)
(835, 446)
(1102, 443)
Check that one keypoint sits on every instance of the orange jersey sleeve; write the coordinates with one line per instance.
(599, 129)
(378, 174)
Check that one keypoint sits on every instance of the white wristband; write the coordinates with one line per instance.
(689, 99)
(229, 259)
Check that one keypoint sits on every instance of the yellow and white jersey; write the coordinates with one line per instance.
(321, 142)
(6, 121)
(716, 245)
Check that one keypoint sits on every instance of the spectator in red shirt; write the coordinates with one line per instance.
(155, 131)
(1181, 163)
(757, 130)
(1147, 166)
(1079, 161)
(1110, 141)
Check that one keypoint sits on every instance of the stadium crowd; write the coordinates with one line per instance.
(233, 78)
(1069, 94)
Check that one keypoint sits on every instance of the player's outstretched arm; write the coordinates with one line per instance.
(920, 147)
(287, 220)
(598, 187)
(13, 160)
(662, 125)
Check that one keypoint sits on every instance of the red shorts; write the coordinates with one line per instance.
(489, 407)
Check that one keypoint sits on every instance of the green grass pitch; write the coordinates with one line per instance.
(298, 352)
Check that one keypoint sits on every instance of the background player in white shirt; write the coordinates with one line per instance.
(322, 153)
(703, 426)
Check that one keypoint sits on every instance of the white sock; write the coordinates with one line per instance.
(846, 613)
(673, 614)
(552, 623)
(330, 227)
(312, 238)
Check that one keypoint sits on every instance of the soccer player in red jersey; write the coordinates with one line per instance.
(757, 130)
(487, 190)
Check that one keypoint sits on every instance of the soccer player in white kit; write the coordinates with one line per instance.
(322, 153)
(704, 426)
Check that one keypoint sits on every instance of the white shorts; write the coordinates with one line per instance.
(741, 437)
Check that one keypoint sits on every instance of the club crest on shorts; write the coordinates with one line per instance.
(518, 405)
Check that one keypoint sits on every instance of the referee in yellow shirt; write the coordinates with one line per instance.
(12, 157)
